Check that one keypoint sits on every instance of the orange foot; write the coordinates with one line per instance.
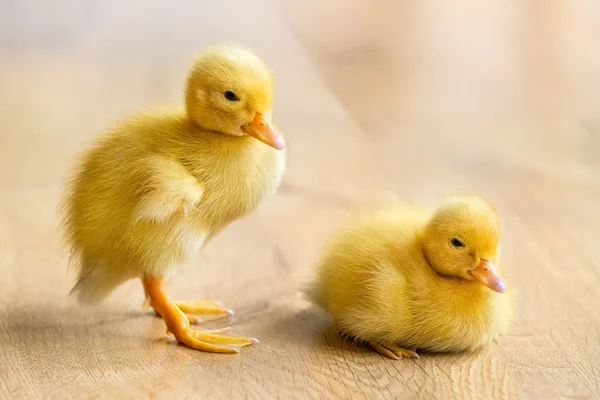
(393, 352)
(178, 323)
(194, 308)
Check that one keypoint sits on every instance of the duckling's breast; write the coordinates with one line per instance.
(463, 322)
(235, 186)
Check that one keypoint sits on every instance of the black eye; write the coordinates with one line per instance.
(230, 96)
(457, 243)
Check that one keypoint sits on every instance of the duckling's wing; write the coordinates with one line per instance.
(167, 188)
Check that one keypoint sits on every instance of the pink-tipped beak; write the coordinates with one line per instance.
(486, 274)
(261, 129)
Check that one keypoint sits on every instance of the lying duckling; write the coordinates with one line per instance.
(404, 279)
(153, 191)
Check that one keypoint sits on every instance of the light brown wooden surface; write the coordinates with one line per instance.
(417, 99)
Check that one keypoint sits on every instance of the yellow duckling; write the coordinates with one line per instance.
(404, 279)
(153, 191)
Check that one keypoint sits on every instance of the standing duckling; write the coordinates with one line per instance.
(153, 191)
(404, 279)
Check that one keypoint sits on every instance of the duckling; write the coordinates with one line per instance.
(154, 190)
(403, 279)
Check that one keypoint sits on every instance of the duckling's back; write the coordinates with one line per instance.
(361, 264)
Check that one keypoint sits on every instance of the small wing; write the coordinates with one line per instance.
(168, 188)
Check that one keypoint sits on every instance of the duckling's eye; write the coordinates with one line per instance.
(230, 96)
(457, 243)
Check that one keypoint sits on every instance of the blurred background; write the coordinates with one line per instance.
(376, 99)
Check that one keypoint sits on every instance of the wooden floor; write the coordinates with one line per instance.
(415, 99)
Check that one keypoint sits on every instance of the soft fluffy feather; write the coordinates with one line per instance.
(376, 282)
(155, 189)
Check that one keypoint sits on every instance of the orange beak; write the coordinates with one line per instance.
(486, 274)
(261, 128)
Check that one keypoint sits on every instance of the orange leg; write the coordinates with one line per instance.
(179, 325)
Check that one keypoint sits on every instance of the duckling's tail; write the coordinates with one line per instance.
(94, 285)
(312, 292)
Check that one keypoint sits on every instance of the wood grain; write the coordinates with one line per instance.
(416, 99)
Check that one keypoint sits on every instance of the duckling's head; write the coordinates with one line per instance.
(230, 91)
(461, 240)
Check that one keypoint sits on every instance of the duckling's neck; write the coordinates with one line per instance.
(244, 146)
(239, 152)
(226, 141)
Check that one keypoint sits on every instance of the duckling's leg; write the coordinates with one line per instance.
(393, 352)
(179, 325)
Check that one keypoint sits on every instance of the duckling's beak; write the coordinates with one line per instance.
(261, 128)
(486, 274)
